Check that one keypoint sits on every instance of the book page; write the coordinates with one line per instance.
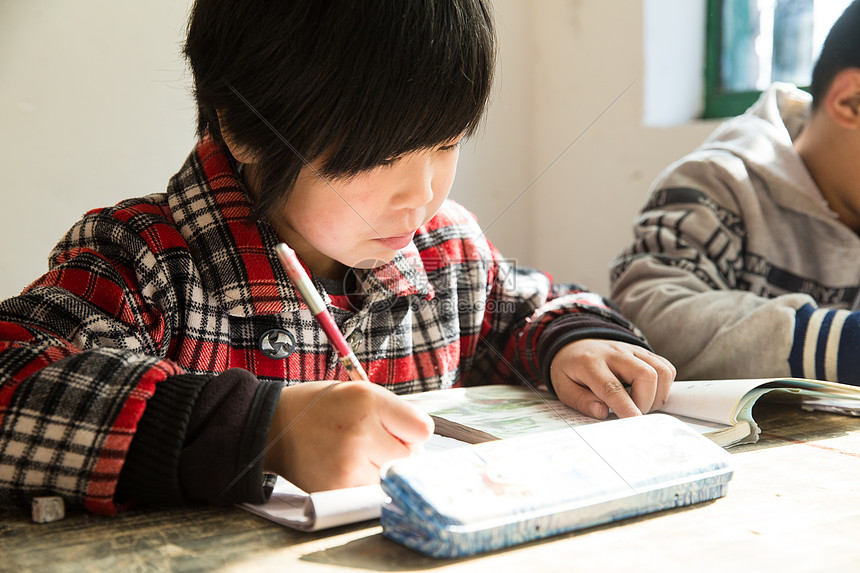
(730, 401)
(830, 388)
(831, 405)
(825, 396)
(499, 410)
(481, 413)
(715, 401)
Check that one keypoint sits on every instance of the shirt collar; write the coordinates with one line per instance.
(235, 253)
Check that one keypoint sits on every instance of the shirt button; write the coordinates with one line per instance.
(355, 339)
(277, 343)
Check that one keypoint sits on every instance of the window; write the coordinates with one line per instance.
(751, 43)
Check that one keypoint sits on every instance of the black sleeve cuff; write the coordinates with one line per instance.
(151, 468)
(222, 459)
(578, 326)
(202, 438)
(255, 486)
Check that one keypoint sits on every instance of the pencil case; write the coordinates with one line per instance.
(497, 494)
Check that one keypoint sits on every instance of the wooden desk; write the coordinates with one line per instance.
(793, 505)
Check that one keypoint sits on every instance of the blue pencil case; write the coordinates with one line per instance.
(496, 494)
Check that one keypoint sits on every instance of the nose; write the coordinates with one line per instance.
(414, 183)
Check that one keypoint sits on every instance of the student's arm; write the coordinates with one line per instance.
(214, 439)
(527, 321)
(80, 365)
(201, 438)
(83, 378)
(593, 359)
(679, 283)
(67, 416)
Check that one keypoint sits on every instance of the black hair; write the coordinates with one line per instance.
(358, 82)
(841, 50)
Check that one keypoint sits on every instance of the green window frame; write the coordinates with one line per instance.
(720, 102)
(797, 28)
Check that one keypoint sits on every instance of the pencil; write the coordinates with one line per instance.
(317, 306)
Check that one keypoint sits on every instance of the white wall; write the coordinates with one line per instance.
(94, 107)
(495, 174)
(673, 56)
(572, 155)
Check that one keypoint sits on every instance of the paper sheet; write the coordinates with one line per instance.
(293, 507)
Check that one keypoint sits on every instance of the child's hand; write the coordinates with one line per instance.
(592, 376)
(328, 435)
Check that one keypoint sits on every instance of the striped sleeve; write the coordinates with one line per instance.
(826, 345)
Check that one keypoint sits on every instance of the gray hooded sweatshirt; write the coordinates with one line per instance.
(739, 269)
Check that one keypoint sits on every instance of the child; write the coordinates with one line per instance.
(747, 260)
(166, 356)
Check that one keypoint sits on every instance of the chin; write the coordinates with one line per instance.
(372, 263)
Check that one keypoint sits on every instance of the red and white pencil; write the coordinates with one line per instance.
(317, 306)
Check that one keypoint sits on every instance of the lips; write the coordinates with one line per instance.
(397, 242)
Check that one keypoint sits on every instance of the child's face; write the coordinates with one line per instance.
(364, 220)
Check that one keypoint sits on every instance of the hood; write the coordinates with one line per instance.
(763, 139)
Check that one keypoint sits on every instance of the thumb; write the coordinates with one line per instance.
(404, 421)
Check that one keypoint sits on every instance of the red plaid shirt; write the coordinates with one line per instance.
(187, 281)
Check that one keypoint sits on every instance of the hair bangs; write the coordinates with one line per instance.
(426, 83)
(353, 83)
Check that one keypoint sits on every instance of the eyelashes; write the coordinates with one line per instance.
(393, 160)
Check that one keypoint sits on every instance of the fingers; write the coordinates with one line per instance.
(666, 373)
(382, 447)
(390, 428)
(610, 390)
(338, 434)
(648, 375)
(591, 375)
(401, 430)
(578, 394)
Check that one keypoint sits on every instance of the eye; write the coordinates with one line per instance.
(389, 162)
(455, 145)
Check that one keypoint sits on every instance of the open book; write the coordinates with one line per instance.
(719, 409)
(723, 409)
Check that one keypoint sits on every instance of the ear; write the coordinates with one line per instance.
(843, 98)
(240, 152)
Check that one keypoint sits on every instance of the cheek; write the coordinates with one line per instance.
(326, 228)
(443, 179)
(335, 229)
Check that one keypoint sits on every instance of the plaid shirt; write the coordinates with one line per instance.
(187, 281)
